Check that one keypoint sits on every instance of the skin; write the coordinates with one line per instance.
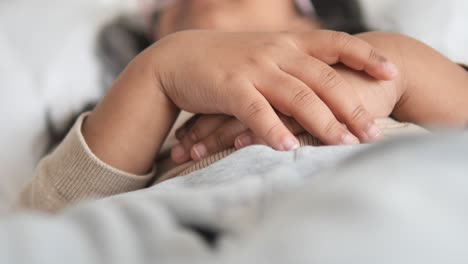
(255, 16)
(214, 133)
(433, 96)
(237, 74)
(234, 16)
(127, 128)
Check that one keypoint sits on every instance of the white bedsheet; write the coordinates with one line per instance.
(441, 24)
(47, 62)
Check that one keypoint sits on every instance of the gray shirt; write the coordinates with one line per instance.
(400, 202)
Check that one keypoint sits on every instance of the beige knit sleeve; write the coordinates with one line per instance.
(72, 173)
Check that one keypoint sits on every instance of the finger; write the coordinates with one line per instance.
(182, 131)
(294, 98)
(248, 138)
(335, 92)
(201, 127)
(205, 126)
(257, 114)
(221, 139)
(332, 47)
(179, 153)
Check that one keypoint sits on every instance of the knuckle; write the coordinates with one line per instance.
(269, 46)
(278, 41)
(220, 141)
(196, 133)
(358, 113)
(374, 56)
(341, 38)
(329, 78)
(254, 109)
(231, 77)
(340, 42)
(287, 39)
(340, 34)
(304, 66)
(332, 127)
(272, 130)
(303, 97)
(255, 61)
(345, 39)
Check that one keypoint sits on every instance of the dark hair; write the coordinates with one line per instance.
(122, 39)
(341, 15)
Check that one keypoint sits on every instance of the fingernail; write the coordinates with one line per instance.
(290, 144)
(349, 139)
(391, 69)
(373, 132)
(244, 141)
(200, 151)
(178, 152)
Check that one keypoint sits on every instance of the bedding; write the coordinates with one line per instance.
(441, 24)
(373, 206)
(49, 65)
(59, 182)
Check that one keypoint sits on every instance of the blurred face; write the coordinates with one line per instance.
(230, 15)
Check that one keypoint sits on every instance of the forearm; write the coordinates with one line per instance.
(128, 127)
(72, 173)
(433, 90)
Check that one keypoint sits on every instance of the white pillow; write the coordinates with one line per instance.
(440, 24)
(47, 51)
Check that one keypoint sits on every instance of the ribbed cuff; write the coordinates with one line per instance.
(76, 173)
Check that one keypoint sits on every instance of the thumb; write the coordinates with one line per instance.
(332, 47)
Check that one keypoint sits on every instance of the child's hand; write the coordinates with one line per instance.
(240, 74)
(204, 135)
(246, 75)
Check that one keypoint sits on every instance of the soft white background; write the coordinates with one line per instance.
(47, 63)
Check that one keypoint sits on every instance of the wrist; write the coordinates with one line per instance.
(128, 127)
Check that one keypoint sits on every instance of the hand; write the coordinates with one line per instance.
(204, 135)
(247, 75)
